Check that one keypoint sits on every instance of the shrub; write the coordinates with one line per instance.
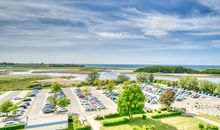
(14, 127)
(201, 126)
(149, 111)
(158, 111)
(144, 117)
(163, 108)
(115, 122)
(156, 116)
(98, 117)
(111, 115)
(213, 127)
(83, 127)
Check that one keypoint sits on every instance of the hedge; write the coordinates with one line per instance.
(14, 127)
(115, 122)
(166, 115)
(75, 124)
(111, 115)
(98, 117)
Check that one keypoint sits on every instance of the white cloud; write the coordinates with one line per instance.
(117, 35)
(213, 4)
(215, 43)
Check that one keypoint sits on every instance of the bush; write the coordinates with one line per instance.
(111, 115)
(98, 117)
(149, 111)
(201, 126)
(156, 116)
(213, 127)
(115, 122)
(158, 111)
(163, 109)
(84, 127)
(14, 127)
(144, 116)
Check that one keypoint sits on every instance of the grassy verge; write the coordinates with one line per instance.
(210, 117)
(169, 123)
(18, 82)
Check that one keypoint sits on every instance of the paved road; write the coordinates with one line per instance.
(37, 104)
(10, 96)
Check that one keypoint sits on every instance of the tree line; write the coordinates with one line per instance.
(175, 69)
(7, 64)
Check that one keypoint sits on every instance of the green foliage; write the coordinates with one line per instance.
(55, 87)
(211, 71)
(110, 86)
(14, 127)
(92, 77)
(111, 115)
(188, 82)
(217, 89)
(75, 124)
(162, 115)
(131, 101)
(98, 117)
(122, 78)
(167, 97)
(144, 116)
(207, 127)
(166, 69)
(63, 102)
(85, 91)
(115, 122)
(207, 86)
(142, 78)
(7, 106)
(151, 78)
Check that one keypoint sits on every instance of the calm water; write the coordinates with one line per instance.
(111, 75)
(197, 67)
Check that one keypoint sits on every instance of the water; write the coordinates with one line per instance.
(197, 67)
(110, 75)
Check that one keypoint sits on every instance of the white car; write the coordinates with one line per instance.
(9, 123)
(2, 114)
(62, 109)
(17, 98)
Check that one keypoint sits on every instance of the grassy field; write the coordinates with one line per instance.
(210, 117)
(18, 82)
(171, 123)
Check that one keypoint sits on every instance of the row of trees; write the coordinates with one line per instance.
(193, 83)
(55, 101)
(175, 69)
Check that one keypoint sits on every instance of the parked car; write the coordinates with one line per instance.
(17, 98)
(10, 123)
(2, 114)
(62, 109)
(28, 99)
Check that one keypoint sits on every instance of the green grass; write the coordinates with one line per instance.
(210, 117)
(171, 123)
(18, 82)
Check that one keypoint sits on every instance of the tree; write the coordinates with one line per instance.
(110, 86)
(131, 101)
(92, 77)
(151, 78)
(55, 87)
(63, 102)
(142, 77)
(7, 106)
(122, 78)
(53, 100)
(188, 82)
(167, 97)
(85, 91)
(217, 89)
(207, 86)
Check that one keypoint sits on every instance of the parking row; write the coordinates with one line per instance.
(50, 104)
(111, 95)
(89, 101)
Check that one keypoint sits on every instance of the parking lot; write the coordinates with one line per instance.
(36, 118)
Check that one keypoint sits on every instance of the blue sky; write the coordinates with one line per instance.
(110, 32)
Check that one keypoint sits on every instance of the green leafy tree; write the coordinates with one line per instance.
(151, 78)
(95, 82)
(92, 77)
(131, 101)
(63, 102)
(53, 100)
(110, 86)
(167, 97)
(142, 78)
(122, 78)
(7, 106)
(86, 91)
(207, 86)
(55, 87)
(188, 82)
(217, 89)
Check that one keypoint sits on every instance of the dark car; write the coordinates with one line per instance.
(28, 99)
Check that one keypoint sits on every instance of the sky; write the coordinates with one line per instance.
(110, 31)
